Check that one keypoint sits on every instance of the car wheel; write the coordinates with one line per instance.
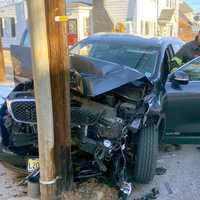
(146, 154)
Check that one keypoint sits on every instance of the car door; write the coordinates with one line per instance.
(182, 103)
(21, 58)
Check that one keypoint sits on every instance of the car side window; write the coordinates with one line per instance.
(166, 63)
(177, 45)
(165, 67)
(84, 50)
(193, 70)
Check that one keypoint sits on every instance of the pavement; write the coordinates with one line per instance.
(180, 182)
(9, 189)
(182, 178)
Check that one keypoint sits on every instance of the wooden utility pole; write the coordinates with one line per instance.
(52, 92)
(2, 64)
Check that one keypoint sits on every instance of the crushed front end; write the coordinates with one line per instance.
(105, 126)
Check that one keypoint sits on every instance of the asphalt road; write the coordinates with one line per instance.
(182, 178)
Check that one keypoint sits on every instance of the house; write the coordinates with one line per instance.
(146, 17)
(189, 23)
(166, 22)
(13, 21)
(138, 17)
(196, 23)
(79, 24)
(168, 17)
(186, 15)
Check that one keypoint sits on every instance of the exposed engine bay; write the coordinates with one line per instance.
(104, 127)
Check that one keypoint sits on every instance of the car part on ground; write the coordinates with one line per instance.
(153, 194)
(160, 171)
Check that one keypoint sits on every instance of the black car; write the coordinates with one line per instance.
(122, 104)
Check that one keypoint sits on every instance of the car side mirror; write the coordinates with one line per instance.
(180, 77)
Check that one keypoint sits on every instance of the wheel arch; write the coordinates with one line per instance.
(161, 126)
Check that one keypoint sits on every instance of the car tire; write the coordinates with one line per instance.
(146, 154)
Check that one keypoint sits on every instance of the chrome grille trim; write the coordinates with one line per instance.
(12, 112)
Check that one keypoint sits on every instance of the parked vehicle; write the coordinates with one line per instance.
(120, 105)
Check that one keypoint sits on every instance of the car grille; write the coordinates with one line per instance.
(23, 111)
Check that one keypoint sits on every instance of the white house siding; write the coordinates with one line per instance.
(17, 11)
(141, 15)
(22, 19)
(81, 13)
(170, 4)
(147, 12)
(107, 13)
(167, 4)
(117, 10)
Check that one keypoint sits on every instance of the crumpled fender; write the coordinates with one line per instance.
(153, 103)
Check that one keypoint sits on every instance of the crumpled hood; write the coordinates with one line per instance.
(99, 76)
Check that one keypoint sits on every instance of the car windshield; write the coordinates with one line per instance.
(141, 59)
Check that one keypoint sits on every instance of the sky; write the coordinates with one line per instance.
(194, 4)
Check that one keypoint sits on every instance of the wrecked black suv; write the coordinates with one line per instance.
(117, 83)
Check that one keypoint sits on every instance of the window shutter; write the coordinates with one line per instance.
(1, 27)
(13, 27)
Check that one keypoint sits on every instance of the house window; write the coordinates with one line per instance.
(142, 27)
(171, 30)
(129, 26)
(1, 27)
(13, 27)
(72, 26)
(169, 4)
(155, 28)
(147, 28)
(174, 4)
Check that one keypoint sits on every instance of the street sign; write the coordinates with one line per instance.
(61, 18)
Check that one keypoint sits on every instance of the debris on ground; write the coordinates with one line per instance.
(160, 171)
(170, 147)
(198, 148)
(153, 194)
(92, 190)
(168, 188)
(9, 190)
